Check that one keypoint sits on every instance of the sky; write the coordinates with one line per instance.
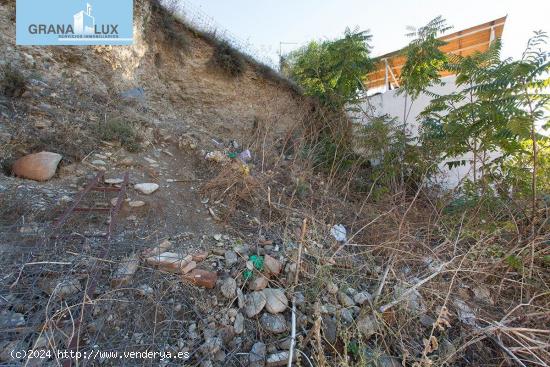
(264, 24)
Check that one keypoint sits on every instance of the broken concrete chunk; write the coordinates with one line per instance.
(125, 271)
(200, 256)
(39, 166)
(171, 261)
(188, 267)
(201, 278)
(163, 247)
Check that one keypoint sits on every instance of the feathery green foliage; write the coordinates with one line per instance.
(332, 70)
(425, 60)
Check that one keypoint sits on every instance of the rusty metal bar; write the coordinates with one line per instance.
(91, 184)
(73, 343)
(92, 209)
(106, 188)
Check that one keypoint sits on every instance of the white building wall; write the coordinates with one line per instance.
(397, 105)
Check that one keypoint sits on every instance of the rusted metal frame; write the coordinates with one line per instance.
(91, 184)
(92, 209)
(106, 188)
(93, 282)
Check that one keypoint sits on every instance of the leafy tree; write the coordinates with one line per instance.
(425, 60)
(468, 119)
(332, 70)
(521, 89)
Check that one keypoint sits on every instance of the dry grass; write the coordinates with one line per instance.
(12, 82)
(454, 263)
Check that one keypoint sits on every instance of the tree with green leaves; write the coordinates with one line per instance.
(425, 60)
(332, 70)
(467, 120)
(496, 107)
(521, 89)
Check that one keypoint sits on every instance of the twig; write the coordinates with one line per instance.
(383, 281)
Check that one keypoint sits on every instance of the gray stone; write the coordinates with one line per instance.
(228, 287)
(231, 258)
(413, 300)
(242, 250)
(258, 283)
(387, 361)
(346, 315)
(367, 325)
(275, 324)
(345, 300)
(329, 329)
(256, 357)
(278, 359)
(272, 265)
(328, 309)
(137, 94)
(284, 344)
(426, 320)
(211, 346)
(240, 298)
(254, 303)
(9, 319)
(276, 300)
(238, 325)
(299, 299)
(363, 297)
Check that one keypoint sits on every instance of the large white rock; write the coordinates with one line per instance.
(276, 301)
(146, 188)
(39, 166)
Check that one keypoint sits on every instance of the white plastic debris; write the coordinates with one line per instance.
(465, 313)
(338, 231)
(245, 156)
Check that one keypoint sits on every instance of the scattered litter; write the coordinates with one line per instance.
(465, 313)
(245, 156)
(217, 156)
(338, 231)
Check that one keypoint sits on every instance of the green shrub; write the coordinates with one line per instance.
(121, 131)
(13, 83)
(229, 59)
